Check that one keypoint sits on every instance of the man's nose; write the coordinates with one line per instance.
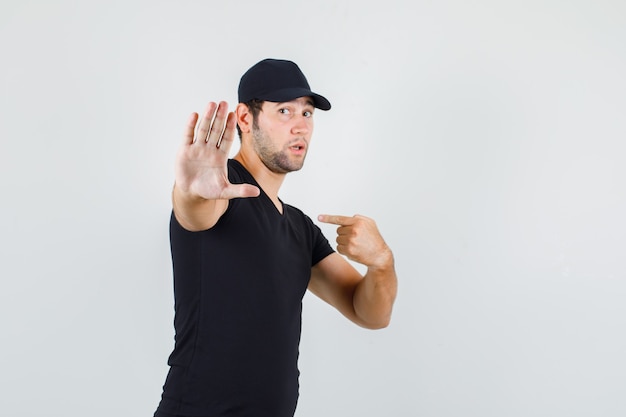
(301, 124)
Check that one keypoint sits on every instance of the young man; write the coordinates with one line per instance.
(243, 259)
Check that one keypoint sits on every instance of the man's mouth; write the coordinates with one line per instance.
(298, 146)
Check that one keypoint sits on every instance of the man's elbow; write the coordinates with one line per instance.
(378, 324)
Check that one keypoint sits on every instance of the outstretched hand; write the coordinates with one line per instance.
(358, 238)
(201, 163)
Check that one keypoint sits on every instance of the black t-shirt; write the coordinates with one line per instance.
(238, 291)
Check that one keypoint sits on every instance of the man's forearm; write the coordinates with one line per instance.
(195, 213)
(376, 293)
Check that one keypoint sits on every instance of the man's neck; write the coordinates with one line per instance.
(269, 181)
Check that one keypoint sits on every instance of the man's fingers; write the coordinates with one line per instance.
(205, 123)
(190, 129)
(217, 127)
(335, 219)
(229, 134)
(215, 124)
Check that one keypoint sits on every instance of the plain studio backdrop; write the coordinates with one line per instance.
(486, 138)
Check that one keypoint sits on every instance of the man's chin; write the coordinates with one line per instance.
(283, 167)
(283, 170)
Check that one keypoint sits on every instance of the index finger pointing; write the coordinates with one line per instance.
(335, 219)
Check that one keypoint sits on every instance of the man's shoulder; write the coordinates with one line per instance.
(296, 214)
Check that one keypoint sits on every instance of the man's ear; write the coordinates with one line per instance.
(244, 118)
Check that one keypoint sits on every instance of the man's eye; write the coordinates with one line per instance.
(308, 113)
(283, 111)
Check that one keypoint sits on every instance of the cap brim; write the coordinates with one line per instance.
(288, 94)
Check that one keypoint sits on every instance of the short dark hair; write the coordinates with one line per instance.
(254, 106)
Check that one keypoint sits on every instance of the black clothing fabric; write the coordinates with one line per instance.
(238, 291)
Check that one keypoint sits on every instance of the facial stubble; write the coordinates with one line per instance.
(276, 160)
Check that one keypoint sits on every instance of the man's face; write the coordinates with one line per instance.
(281, 134)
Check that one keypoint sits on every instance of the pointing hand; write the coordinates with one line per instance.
(358, 238)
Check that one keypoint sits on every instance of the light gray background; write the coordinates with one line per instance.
(486, 138)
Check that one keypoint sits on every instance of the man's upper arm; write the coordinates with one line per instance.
(334, 280)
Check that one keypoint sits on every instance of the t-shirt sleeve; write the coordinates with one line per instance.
(321, 247)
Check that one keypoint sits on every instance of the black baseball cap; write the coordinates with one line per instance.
(277, 80)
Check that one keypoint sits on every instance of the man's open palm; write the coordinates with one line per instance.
(201, 163)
